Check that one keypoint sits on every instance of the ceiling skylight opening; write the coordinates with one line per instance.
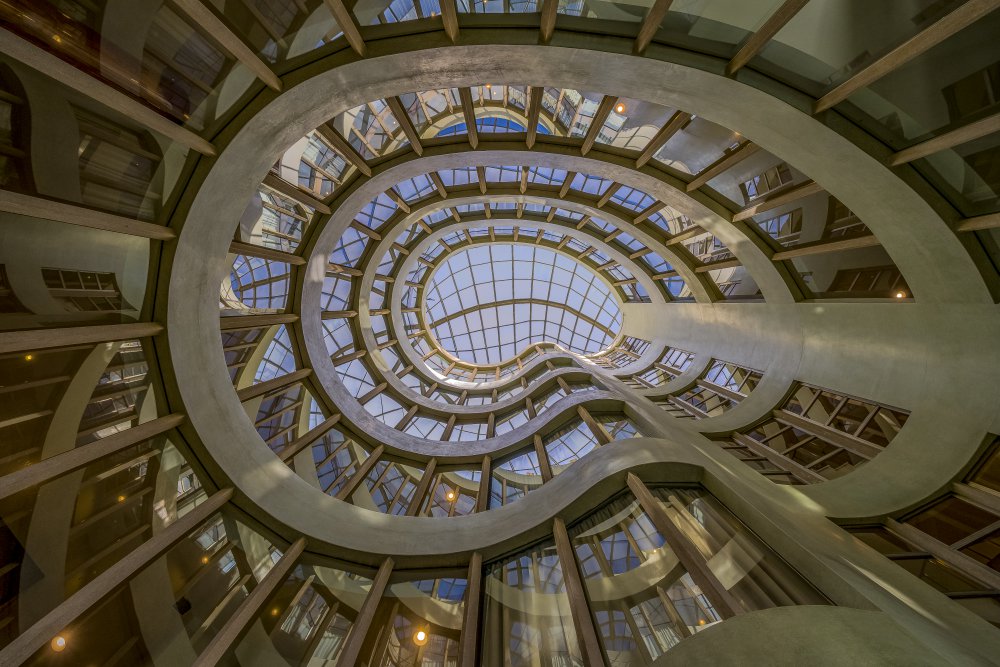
(486, 304)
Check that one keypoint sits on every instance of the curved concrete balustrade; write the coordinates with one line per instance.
(850, 637)
(410, 261)
(931, 360)
(868, 188)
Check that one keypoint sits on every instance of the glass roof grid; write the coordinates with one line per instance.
(414, 188)
(577, 245)
(677, 288)
(356, 377)
(472, 312)
(316, 414)
(468, 431)
(386, 409)
(569, 215)
(336, 293)
(377, 211)
(322, 168)
(431, 253)
(409, 298)
(428, 428)
(552, 237)
(635, 293)
(657, 263)
(497, 6)
(414, 106)
(410, 320)
(338, 336)
(388, 261)
(470, 208)
(546, 176)
(602, 225)
(458, 176)
(591, 185)
(399, 10)
(575, 112)
(503, 205)
(536, 208)
(436, 216)
(570, 444)
(547, 400)
(260, 283)
(368, 129)
(510, 421)
(408, 235)
(629, 242)
(525, 463)
(599, 257)
(503, 174)
(391, 356)
(618, 272)
(631, 198)
(350, 247)
(279, 358)
(708, 248)
(380, 328)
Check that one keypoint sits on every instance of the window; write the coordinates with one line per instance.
(868, 283)
(767, 182)
(817, 434)
(85, 291)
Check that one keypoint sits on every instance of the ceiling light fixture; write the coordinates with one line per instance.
(620, 107)
(420, 637)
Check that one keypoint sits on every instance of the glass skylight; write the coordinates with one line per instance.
(485, 304)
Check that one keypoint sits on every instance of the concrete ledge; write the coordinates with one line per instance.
(805, 635)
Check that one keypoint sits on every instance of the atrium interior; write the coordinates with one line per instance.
(514, 333)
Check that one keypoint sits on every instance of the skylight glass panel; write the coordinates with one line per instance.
(338, 337)
(497, 6)
(259, 283)
(458, 176)
(487, 303)
(503, 174)
(425, 427)
(385, 409)
(383, 11)
(377, 211)
(414, 188)
(371, 129)
(430, 106)
(279, 358)
(321, 167)
(436, 216)
(569, 215)
(546, 176)
(631, 198)
(569, 445)
(336, 293)
(355, 377)
(350, 247)
(591, 185)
